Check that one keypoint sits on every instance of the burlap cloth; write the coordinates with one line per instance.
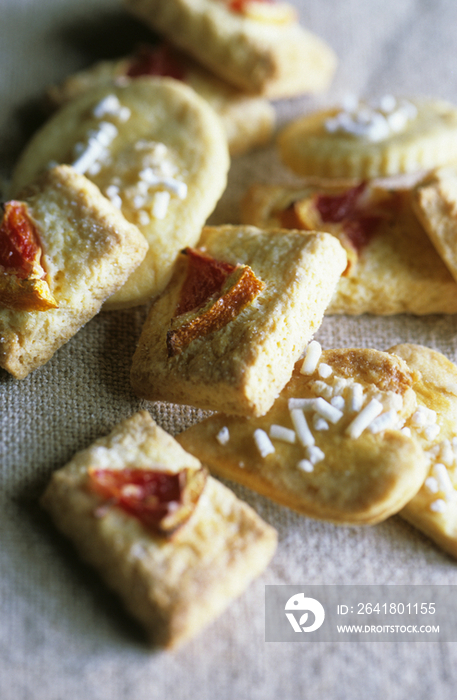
(62, 634)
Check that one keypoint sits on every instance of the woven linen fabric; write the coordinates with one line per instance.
(63, 635)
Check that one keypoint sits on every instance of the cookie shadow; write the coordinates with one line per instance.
(99, 616)
(108, 35)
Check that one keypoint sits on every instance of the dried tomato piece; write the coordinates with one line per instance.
(162, 61)
(290, 218)
(359, 220)
(19, 248)
(22, 284)
(161, 501)
(205, 277)
(236, 287)
(336, 208)
(240, 5)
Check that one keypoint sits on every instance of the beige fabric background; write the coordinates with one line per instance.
(62, 634)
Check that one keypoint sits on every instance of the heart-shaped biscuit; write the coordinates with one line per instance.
(331, 447)
(434, 509)
(153, 147)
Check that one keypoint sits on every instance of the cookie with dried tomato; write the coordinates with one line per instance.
(64, 249)
(367, 139)
(248, 120)
(257, 46)
(434, 509)
(175, 544)
(155, 149)
(392, 265)
(331, 447)
(237, 314)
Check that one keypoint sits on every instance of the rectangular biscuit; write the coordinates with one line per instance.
(240, 367)
(393, 267)
(175, 584)
(88, 252)
(275, 59)
(331, 446)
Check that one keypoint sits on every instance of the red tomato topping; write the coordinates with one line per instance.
(205, 277)
(147, 495)
(359, 224)
(335, 208)
(161, 60)
(239, 5)
(19, 247)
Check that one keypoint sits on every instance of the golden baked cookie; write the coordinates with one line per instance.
(112, 501)
(435, 202)
(331, 446)
(239, 310)
(258, 47)
(365, 140)
(248, 120)
(434, 509)
(85, 249)
(153, 147)
(392, 265)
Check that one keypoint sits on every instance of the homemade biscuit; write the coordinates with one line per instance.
(239, 366)
(88, 251)
(157, 150)
(434, 509)
(173, 584)
(392, 265)
(366, 141)
(331, 446)
(248, 121)
(257, 47)
(435, 202)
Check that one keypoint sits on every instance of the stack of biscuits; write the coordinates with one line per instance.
(108, 208)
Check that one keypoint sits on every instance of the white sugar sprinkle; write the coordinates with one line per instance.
(143, 218)
(324, 370)
(160, 203)
(338, 402)
(384, 422)
(175, 186)
(327, 411)
(406, 431)
(339, 385)
(111, 105)
(444, 481)
(438, 506)
(319, 423)
(431, 432)
(423, 416)
(322, 389)
(305, 404)
(263, 442)
(447, 455)
(395, 402)
(312, 357)
(356, 397)
(315, 454)
(304, 434)
(223, 436)
(364, 418)
(305, 465)
(279, 432)
(431, 484)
